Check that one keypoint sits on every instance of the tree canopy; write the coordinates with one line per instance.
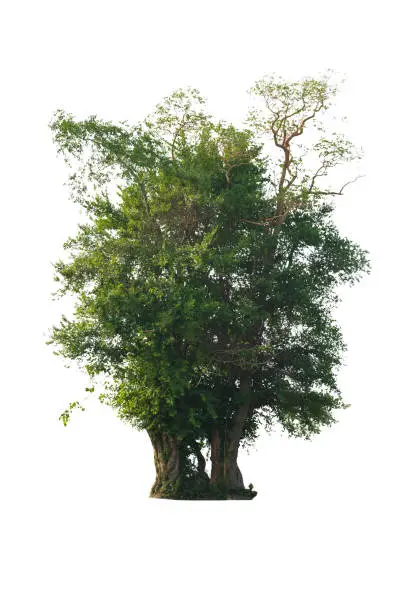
(206, 275)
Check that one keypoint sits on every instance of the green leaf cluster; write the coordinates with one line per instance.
(182, 281)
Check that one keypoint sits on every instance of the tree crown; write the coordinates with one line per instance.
(202, 263)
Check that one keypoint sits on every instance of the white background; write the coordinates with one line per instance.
(327, 531)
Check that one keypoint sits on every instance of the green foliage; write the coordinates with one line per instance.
(201, 261)
(65, 417)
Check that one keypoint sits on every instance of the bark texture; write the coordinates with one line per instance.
(180, 465)
(180, 468)
(167, 459)
(225, 473)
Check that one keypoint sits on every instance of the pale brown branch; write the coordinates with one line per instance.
(340, 192)
(229, 167)
(292, 180)
(276, 219)
(285, 167)
(315, 176)
(302, 124)
(298, 111)
(275, 131)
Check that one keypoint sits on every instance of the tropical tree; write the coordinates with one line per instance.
(206, 276)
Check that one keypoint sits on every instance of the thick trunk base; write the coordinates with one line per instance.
(180, 469)
(181, 474)
(242, 494)
(211, 494)
(225, 473)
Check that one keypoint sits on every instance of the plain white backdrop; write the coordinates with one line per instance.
(327, 531)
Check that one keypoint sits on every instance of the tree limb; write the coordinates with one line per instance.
(341, 190)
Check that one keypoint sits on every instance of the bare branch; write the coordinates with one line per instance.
(315, 176)
(341, 190)
(298, 111)
(302, 124)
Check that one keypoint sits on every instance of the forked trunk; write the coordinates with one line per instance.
(180, 468)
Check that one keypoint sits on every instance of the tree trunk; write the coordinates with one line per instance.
(167, 460)
(232, 473)
(226, 477)
(225, 473)
(201, 477)
(217, 457)
(177, 476)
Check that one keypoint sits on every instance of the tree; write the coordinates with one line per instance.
(206, 275)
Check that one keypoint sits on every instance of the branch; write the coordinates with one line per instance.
(144, 194)
(280, 217)
(229, 166)
(302, 124)
(275, 132)
(315, 176)
(291, 255)
(341, 190)
(298, 111)
(176, 133)
(285, 166)
(276, 219)
(253, 222)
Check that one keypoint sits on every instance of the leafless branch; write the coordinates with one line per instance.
(340, 192)
(315, 176)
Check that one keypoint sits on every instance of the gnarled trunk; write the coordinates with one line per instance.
(217, 457)
(167, 461)
(226, 477)
(233, 476)
(225, 473)
(177, 476)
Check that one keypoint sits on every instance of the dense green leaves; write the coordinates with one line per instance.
(200, 262)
